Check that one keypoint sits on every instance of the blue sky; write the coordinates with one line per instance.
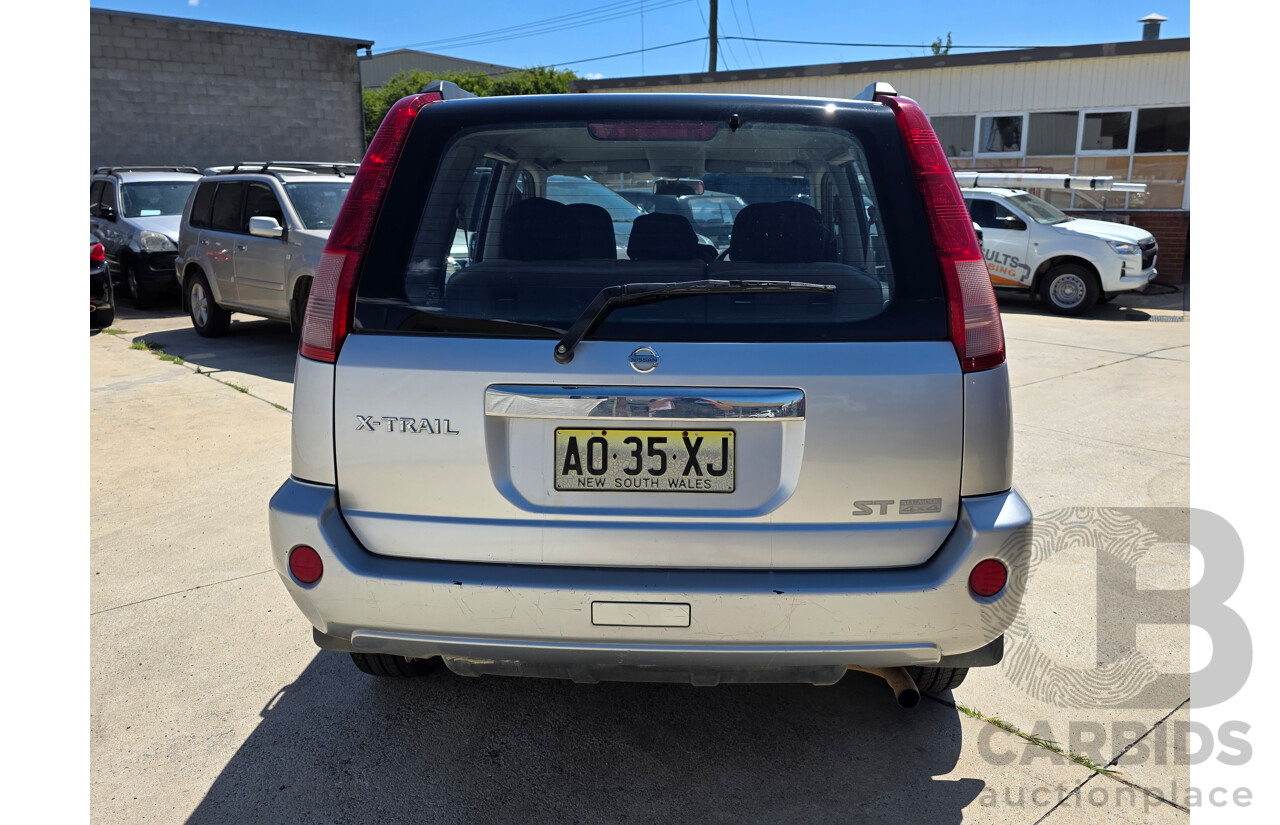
(604, 27)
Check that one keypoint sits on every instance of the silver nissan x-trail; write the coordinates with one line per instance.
(591, 452)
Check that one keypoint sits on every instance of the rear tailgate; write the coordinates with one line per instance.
(868, 477)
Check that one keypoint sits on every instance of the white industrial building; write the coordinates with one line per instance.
(1119, 109)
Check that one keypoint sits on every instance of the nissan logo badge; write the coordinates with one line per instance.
(644, 360)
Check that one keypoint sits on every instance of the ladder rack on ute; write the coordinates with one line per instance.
(1040, 180)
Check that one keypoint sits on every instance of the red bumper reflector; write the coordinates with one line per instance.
(988, 578)
(305, 564)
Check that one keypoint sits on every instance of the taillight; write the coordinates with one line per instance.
(97, 254)
(974, 319)
(332, 300)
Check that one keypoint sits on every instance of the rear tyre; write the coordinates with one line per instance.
(935, 680)
(209, 319)
(140, 295)
(1070, 289)
(395, 667)
(102, 318)
(298, 308)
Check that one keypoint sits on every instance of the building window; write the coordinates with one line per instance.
(1106, 132)
(1163, 130)
(1052, 133)
(1002, 134)
(955, 134)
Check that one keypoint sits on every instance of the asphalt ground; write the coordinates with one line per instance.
(210, 703)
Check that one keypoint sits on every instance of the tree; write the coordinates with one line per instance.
(939, 48)
(539, 80)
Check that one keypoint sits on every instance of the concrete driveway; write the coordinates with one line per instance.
(210, 704)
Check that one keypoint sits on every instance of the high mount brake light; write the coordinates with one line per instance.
(974, 318)
(653, 131)
(97, 254)
(332, 300)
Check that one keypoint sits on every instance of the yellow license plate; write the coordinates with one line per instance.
(644, 461)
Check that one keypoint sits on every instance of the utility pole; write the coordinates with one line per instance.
(711, 33)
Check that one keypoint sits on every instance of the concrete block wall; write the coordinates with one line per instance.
(1172, 230)
(169, 91)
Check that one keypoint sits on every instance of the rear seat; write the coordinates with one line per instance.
(554, 257)
(553, 253)
(789, 240)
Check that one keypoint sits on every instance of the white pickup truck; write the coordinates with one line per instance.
(1070, 263)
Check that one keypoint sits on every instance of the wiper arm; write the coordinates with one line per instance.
(626, 295)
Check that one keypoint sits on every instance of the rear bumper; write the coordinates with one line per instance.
(541, 620)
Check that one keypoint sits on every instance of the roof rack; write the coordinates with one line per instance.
(1041, 180)
(111, 170)
(279, 168)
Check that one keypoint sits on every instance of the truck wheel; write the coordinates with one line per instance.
(936, 680)
(383, 664)
(1070, 289)
(209, 319)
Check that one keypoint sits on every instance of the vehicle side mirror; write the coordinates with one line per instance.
(265, 227)
(106, 212)
(1015, 224)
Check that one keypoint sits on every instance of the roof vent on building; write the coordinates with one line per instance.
(1151, 26)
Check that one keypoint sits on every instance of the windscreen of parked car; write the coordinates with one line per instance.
(1039, 210)
(149, 199)
(317, 202)
(536, 204)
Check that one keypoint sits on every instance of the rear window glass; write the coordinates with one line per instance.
(226, 207)
(202, 207)
(523, 226)
(318, 203)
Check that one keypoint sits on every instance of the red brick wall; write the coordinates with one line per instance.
(1172, 230)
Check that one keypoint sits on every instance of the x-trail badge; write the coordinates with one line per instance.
(644, 360)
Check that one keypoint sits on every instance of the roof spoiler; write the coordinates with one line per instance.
(874, 89)
(447, 89)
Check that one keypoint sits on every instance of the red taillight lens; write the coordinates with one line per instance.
(332, 299)
(97, 254)
(988, 577)
(974, 317)
(305, 564)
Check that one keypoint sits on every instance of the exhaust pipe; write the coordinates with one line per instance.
(904, 687)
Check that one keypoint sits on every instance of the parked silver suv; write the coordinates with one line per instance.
(564, 461)
(251, 237)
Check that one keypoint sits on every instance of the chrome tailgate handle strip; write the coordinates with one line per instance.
(644, 404)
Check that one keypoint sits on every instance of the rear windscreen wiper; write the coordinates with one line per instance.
(626, 295)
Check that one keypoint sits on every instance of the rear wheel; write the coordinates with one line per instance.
(934, 680)
(209, 319)
(102, 317)
(386, 665)
(1070, 289)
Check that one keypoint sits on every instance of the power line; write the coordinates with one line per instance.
(752, 20)
(579, 19)
(633, 51)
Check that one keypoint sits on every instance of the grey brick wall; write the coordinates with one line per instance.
(168, 91)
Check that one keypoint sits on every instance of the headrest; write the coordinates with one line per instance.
(594, 229)
(537, 229)
(659, 236)
(786, 232)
